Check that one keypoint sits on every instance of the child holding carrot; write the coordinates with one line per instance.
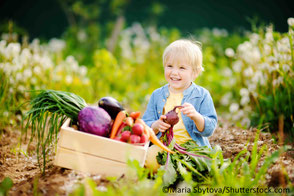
(182, 61)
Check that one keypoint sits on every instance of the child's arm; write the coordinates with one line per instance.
(190, 111)
(205, 120)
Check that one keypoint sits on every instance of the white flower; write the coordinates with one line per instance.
(286, 68)
(86, 81)
(5, 36)
(6, 114)
(37, 70)
(237, 66)
(56, 45)
(272, 59)
(83, 70)
(248, 72)
(68, 79)
(25, 56)
(258, 77)
(27, 73)
(244, 100)
(70, 59)
(82, 36)
(254, 37)
(291, 32)
(74, 67)
(249, 53)
(238, 115)
(267, 49)
(278, 81)
(11, 80)
(46, 62)
(290, 22)
(34, 80)
(12, 50)
(264, 66)
(269, 35)
(251, 87)
(244, 92)
(230, 52)
(232, 81)
(35, 45)
(227, 72)
(219, 32)
(234, 107)
(276, 66)
(246, 122)
(2, 46)
(21, 88)
(18, 77)
(153, 34)
(283, 45)
(225, 100)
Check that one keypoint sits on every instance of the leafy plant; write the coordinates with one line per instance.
(245, 171)
(197, 162)
(5, 186)
(49, 109)
(263, 68)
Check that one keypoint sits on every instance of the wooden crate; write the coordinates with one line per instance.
(95, 154)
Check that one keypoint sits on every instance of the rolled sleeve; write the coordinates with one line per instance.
(208, 112)
(149, 115)
(209, 126)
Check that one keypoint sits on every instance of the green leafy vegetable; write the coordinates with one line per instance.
(195, 164)
(48, 111)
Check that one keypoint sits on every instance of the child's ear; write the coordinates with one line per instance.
(195, 74)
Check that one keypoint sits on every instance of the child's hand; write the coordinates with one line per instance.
(189, 110)
(160, 125)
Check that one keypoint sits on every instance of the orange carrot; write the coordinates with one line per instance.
(157, 142)
(117, 122)
(129, 121)
(153, 138)
(135, 115)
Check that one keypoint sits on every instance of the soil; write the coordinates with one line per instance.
(20, 162)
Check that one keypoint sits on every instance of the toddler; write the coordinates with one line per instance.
(182, 61)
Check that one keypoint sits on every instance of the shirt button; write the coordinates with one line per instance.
(158, 112)
(163, 100)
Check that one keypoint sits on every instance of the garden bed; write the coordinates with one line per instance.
(22, 168)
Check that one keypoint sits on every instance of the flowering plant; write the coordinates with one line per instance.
(264, 69)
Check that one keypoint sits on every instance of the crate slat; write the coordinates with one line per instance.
(95, 154)
(88, 163)
(100, 146)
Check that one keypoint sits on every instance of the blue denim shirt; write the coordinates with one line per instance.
(196, 95)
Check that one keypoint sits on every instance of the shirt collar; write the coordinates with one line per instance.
(193, 90)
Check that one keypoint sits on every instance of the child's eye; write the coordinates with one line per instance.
(182, 68)
(169, 66)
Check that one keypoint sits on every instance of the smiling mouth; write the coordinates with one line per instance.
(175, 79)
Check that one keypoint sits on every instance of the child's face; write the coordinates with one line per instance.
(179, 75)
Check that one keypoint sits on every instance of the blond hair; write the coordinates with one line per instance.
(185, 49)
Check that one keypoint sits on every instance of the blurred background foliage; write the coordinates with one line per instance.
(102, 52)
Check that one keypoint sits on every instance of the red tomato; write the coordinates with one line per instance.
(125, 135)
(135, 139)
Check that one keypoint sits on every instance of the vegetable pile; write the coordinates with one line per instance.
(50, 108)
(131, 131)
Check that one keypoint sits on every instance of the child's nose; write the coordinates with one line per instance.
(174, 72)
